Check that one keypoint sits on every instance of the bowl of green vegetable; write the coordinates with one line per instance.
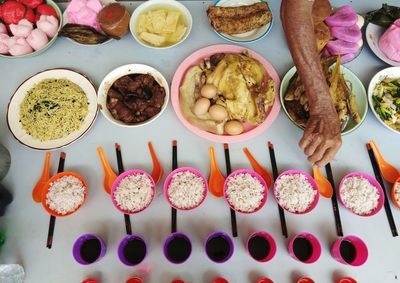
(384, 97)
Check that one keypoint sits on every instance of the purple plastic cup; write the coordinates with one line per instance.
(184, 169)
(79, 243)
(253, 174)
(122, 249)
(124, 175)
(309, 179)
(373, 182)
(315, 246)
(271, 242)
(172, 243)
(361, 251)
(229, 249)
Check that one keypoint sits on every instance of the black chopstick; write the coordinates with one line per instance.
(128, 226)
(378, 176)
(275, 175)
(335, 207)
(174, 166)
(52, 222)
(229, 171)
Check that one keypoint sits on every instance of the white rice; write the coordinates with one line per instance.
(294, 192)
(134, 193)
(186, 190)
(65, 195)
(397, 192)
(359, 195)
(245, 192)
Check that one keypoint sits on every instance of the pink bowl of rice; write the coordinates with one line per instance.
(133, 191)
(185, 188)
(245, 191)
(296, 192)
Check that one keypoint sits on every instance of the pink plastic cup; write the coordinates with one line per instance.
(361, 251)
(120, 178)
(272, 245)
(315, 246)
(168, 181)
(309, 179)
(253, 174)
(373, 182)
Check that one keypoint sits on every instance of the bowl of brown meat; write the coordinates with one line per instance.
(133, 95)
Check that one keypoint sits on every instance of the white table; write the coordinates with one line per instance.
(26, 222)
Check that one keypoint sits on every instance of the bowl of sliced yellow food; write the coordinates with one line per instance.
(160, 24)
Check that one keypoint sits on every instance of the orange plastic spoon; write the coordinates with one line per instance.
(38, 189)
(389, 172)
(325, 187)
(158, 171)
(109, 174)
(258, 168)
(216, 180)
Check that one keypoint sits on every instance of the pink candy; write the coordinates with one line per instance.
(389, 42)
(23, 28)
(19, 46)
(344, 17)
(339, 46)
(84, 12)
(4, 38)
(37, 39)
(48, 24)
(351, 34)
(3, 28)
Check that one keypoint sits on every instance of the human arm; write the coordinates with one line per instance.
(322, 138)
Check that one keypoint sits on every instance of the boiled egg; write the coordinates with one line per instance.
(201, 106)
(208, 91)
(234, 128)
(218, 112)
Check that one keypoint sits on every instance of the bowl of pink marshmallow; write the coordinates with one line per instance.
(28, 27)
(345, 29)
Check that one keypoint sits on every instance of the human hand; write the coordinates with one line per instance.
(322, 137)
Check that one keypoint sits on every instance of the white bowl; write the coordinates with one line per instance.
(13, 118)
(247, 37)
(148, 5)
(123, 71)
(51, 41)
(391, 72)
(373, 33)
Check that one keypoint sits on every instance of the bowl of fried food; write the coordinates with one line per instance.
(241, 21)
(133, 95)
(347, 92)
(160, 24)
(225, 93)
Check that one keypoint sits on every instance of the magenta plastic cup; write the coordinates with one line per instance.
(350, 250)
(88, 249)
(177, 248)
(219, 247)
(185, 169)
(309, 179)
(253, 174)
(305, 248)
(373, 182)
(261, 246)
(132, 250)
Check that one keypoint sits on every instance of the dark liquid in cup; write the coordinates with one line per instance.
(90, 250)
(178, 249)
(302, 248)
(135, 251)
(259, 247)
(218, 248)
(347, 251)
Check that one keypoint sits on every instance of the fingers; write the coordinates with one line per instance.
(324, 154)
(308, 136)
(313, 144)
